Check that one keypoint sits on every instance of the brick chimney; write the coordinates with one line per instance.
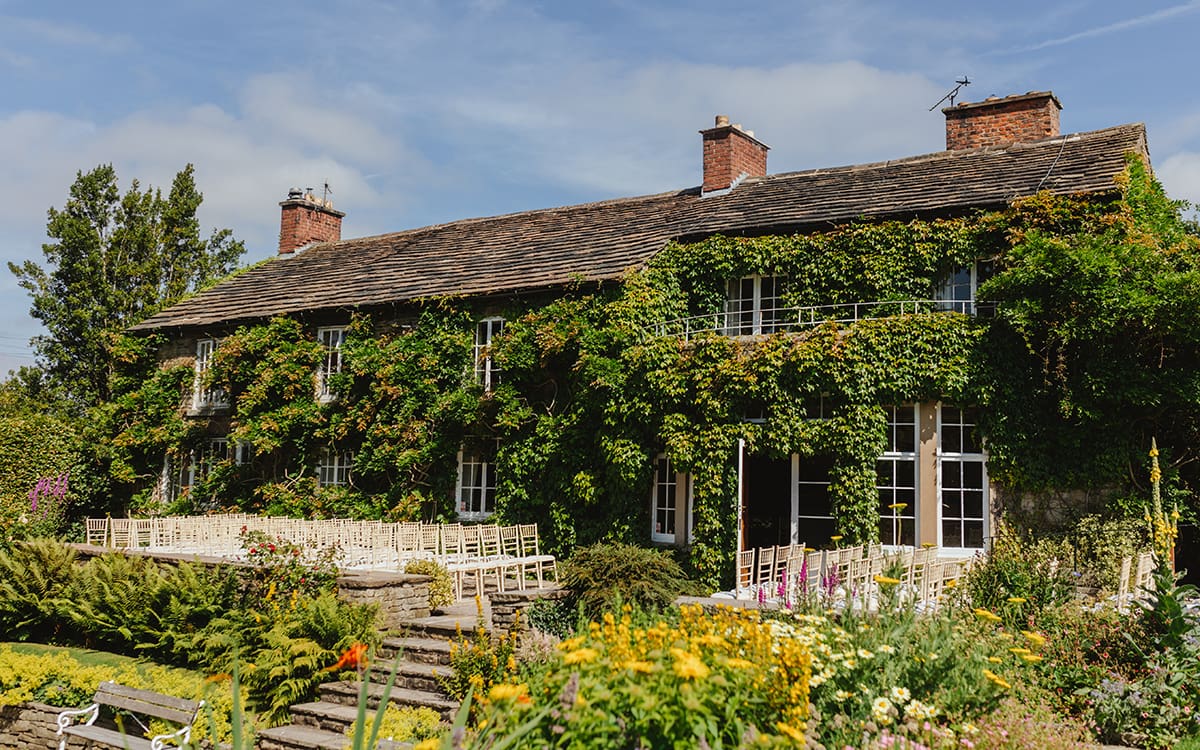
(306, 219)
(730, 155)
(1021, 118)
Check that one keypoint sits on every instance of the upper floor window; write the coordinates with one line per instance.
(333, 468)
(753, 305)
(487, 370)
(331, 340)
(959, 291)
(204, 396)
(476, 485)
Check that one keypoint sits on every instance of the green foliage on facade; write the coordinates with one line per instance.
(1092, 349)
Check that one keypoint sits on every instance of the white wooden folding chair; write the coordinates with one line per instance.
(531, 551)
(745, 572)
(97, 531)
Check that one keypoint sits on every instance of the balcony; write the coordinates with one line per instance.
(796, 319)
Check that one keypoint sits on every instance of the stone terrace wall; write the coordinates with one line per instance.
(400, 596)
(31, 725)
(508, 607)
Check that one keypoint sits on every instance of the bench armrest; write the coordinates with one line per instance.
(66, 718)
(179, 739)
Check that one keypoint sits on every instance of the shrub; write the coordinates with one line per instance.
(283, 567)
(59, 679)
(441, 588)
(556, 617)
(33, 576)
(709, 680)
(1020, 577)
(402, 724)
(479, 662)
(602, 576)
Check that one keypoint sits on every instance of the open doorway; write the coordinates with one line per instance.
(786, 500)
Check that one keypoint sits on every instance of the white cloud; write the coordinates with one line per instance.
(1180, 175)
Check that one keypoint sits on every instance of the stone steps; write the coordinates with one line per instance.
(347, 693)
(410, 674)
(420, 650)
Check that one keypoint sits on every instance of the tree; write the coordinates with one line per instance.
(114, 261)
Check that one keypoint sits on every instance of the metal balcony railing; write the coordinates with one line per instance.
(793, 319)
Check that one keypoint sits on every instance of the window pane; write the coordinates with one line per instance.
(972, 503)
(974, 533)
(951, 533)
(972, 474)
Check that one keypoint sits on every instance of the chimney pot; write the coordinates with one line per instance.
(722, 121)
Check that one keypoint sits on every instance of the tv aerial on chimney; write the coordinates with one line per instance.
(326, 191)
(964, 81)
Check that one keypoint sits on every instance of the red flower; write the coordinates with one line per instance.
(271, 547)
(355, 657)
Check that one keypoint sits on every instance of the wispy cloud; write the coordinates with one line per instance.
(1112, 28)
(67, 34)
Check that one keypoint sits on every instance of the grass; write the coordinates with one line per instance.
(1189, 743)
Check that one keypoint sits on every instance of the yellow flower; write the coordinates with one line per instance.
(951, 583)
(1018, 650)
(887, 580)
(737, 663)
(790, 731)
(928, 545)
(580, 656)
(995, 659)
(506, 692)
(997, 679)
(1032, 658)
(688, 665)
(642, 667)
(1016, 600)
(984, 614)
(836, 538)
(898, 506)
(1037, 640)
(432, 743)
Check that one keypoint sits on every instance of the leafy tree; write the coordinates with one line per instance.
(114, 261)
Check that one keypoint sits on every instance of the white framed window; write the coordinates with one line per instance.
(476, 491)
(670, 503)
(896, 478)
(487, 370)
(962, 480)
(958, 292)
(812, 506)
(180, 476)
(331, 339)
(753, 305)
(204, 396)
(333, 468)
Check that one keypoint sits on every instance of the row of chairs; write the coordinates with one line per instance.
(508, 556)
(791, 573)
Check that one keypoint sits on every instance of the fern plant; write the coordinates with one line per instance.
(33, 576)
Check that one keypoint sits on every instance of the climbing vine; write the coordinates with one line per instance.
(1095, 344)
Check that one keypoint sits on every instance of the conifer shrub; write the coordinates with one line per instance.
(603, 576)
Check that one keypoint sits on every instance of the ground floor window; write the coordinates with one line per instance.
(476, 486)
(180, 476)
(670, 503)
(962, 480)
(896, 482)
(333, 469)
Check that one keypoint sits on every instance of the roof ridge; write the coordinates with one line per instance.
(953, 153)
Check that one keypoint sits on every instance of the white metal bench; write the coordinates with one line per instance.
(135, 702)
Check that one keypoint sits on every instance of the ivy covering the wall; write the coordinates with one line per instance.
(1093, 348)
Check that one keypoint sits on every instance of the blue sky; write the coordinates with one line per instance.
(423, 112)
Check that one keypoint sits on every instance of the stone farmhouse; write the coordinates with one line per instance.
(931, 478)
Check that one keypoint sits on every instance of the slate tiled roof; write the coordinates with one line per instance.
(600, 241)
